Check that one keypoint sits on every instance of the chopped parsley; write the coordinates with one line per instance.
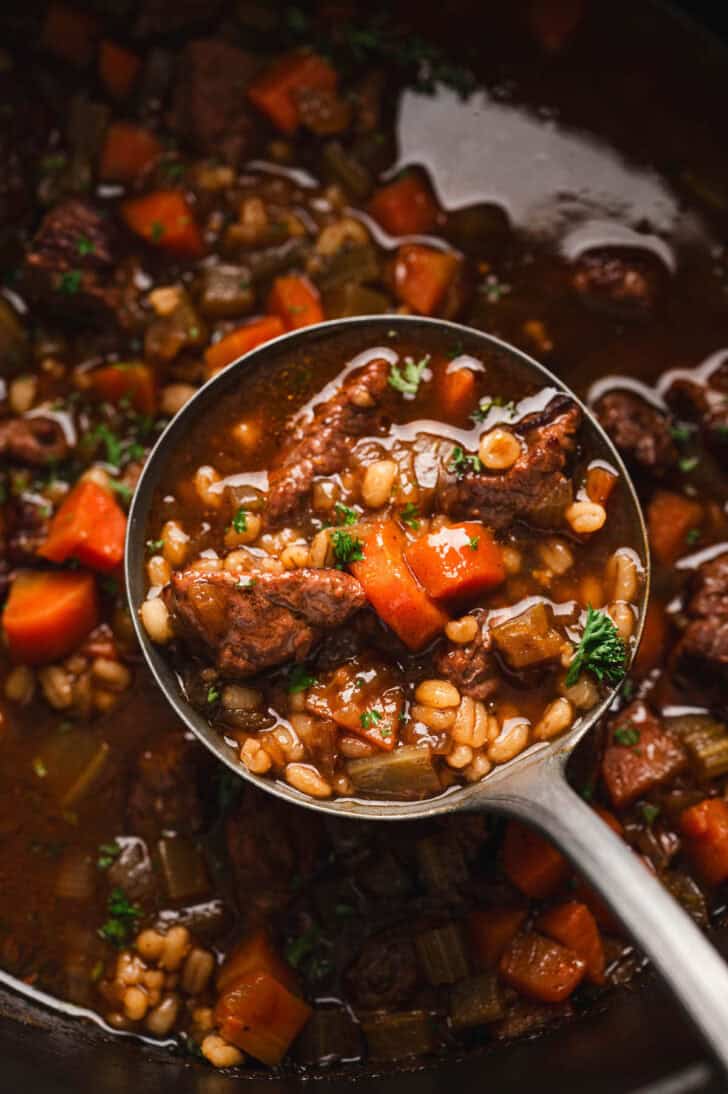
(490, 403)
(460, 461)
(345, 515)
(688, 464)
(409, 515)
(108, 854)
(112, 445)
(408, 379)
(240, 521)
(213, 694)
(359, 682)
(474, 541)
(173, 171)
(692, 536)
(85, 246)
(156, 231)
(246, 583)
(369, 718)
(154, 545)
(681, 433)
(125, 492)
(69, 282)
(627, 735)
(347, 548)
(122, 919)
(300, 679)
(628, 689)
(649, 812)
(601, 651)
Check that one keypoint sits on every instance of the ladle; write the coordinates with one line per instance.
(533, 787)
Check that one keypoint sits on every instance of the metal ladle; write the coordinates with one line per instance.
(531, 788)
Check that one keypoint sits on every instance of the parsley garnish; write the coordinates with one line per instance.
(240, 521)
(408, 380)
(300, 679)
(156, 231)
(345, 515)
(688, 464)
(213, 694)
(681, 433)
(246, 583)
(85, 246)
(154, 545)
(125, 492)
(347, 548)
(474, 541)
(460, 461)
(627, 735)
(122, 921)
(369, 718)
(650, 812)
(601, 651)
(111, 443)
(70, 282)
(489, 403)
(108, 853)
(692, 536)
(410, 516)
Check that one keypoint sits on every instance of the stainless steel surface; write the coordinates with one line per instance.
(533, 787)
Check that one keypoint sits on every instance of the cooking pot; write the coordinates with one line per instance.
(635, 1040)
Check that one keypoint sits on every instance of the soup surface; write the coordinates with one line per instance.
(182, 182)
(407, 561)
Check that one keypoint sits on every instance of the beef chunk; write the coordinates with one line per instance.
(702, 653)
(164, 793)
(270, 844)
(705, 404)
(34, 441)
(535, 489)
(70, 265)
(640, 432)
(321, 444)
(277, 618)
(641, 755)
(210, 107)
(621, 282)
(385, 973)
(469, 667)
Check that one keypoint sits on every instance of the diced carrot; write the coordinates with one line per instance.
(541, 969)
(651, 650)
(255, 953)
(69, 34)
(554, 21)
(275, 91)
(705, 833)
(260, 1016)
(405, 206)
(241, 341)
(669, 519)
(574, 926)
(491, 930)
(133, 381)
(48, 613)
(128, 150)
(295, 301)
(391, 588)
(531, 863)
(89, 526)
(599, 484)
(455, 392)
(118, 69)
(164, 219)
(422, 276)
(641, 756)
(457, 563)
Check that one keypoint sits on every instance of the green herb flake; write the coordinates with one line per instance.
(601, 651)
(344, 911)
(301, 947)
(97, 972)
(688, 464)
(108, 853)
(409, 515)
(300, 680)
(156, 231)
(474, 541)
(681, 433)
(692, 536)
(345, 515)
(460, 462)
(627, 735)
(154, 546)
(368, 719)
(346, 548)
(69, 282)
(125, 492)
(246, 583)
(489, 403)
(407, 380)
(240, 521)
(123, 917)
(213, 694)
(85, 246)
(650, 813)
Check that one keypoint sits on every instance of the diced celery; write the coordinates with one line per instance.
(442, 954)
(407, 772)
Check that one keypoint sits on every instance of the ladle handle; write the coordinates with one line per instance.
(679, 951)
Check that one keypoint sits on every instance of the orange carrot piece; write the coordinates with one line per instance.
(241, 341)
(455, 390)
(653, 642)
(405, 206)
(295, 301)
(422, 276)
(457, 563)
(541, 969)
(133, 381)
(128, 151)
(48, 613)
(275, 90)
(255, 953)
(118, 69)
(599, 484)
(391, 588)
(491, 930)
(669, 519)
(705, 833)
(69, 34)
(574, 926)
(531, 863)
(164, 219)
(89, 526)
(260, 1016)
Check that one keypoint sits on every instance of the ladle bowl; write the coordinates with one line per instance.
(533, 787)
